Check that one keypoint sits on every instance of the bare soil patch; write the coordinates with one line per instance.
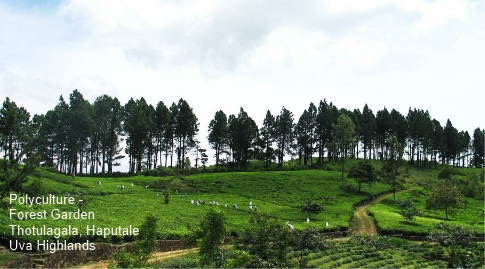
(157, 256)
(363, 222)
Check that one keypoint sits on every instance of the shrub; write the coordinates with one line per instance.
(454, 239)
(347, 187)
(369, 241)
(142, 248)
(166, 197)
(183, 262)
(409, 211)
(34, 189)
(238, 259)
(446, 172)
(310, 207)
(213, 227)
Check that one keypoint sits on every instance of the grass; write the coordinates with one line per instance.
(276, 193)
(390, 221)
(7, 257)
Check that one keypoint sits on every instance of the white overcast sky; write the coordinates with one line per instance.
(259, 55)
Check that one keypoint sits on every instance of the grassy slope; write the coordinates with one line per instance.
(388, 215)
(420, 180)
(274, 193)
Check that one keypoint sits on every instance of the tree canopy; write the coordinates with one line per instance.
(77, 136)
(445, 197)
(363, 172)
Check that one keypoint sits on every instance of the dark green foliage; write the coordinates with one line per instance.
(375, 242)
(80, 126)
(144, 245)
(463, 147)
(163, 130)
(137, 125)
(306, 135)
(213, 231)
(218, 135)
(185, 129)
(243, 133)
(345, 137)
(203, 158)
(310, 207)
(446, 172)
(284, 134)
(420, 134)
(146, 240)
(266, 240)
(472, 186)
(35, 188)
(390, 169)
(363, 172)
(77, 137)
(435, 141)
(238, 259)
(14, 131)
(454, 239)
(399, 126)
(13, 176)
(167, 196)
(105, 139)
(478, 147)
(122, 259)
(409, 211)
(305, 242)
(327, 115)
(393, 253)
(450, 145)
(267, 136)
(444, 196)
(346, 187)
(367, 130)
(383, 130)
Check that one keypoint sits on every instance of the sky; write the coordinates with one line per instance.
(258, 55)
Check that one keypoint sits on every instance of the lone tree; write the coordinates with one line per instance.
(409, 211)
(305, 242)
(213, 228)
(363, 172)
(266, 240)
(310, 207)
(444, 196)
(13, 176)
(454, 239)
(218, 135)
(145, 244)
(390, 169)
(345, 137)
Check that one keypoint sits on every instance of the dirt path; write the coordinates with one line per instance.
(157, 256)
(160, 256)
(362, 222)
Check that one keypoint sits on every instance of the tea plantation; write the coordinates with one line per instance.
(179, 202)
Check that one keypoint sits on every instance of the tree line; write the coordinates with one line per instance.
(77, 136)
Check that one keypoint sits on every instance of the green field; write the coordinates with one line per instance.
(383, 252)
(388, 218)
(274, 193)
(390, 253)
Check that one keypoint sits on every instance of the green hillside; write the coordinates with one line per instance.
(276, 193)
